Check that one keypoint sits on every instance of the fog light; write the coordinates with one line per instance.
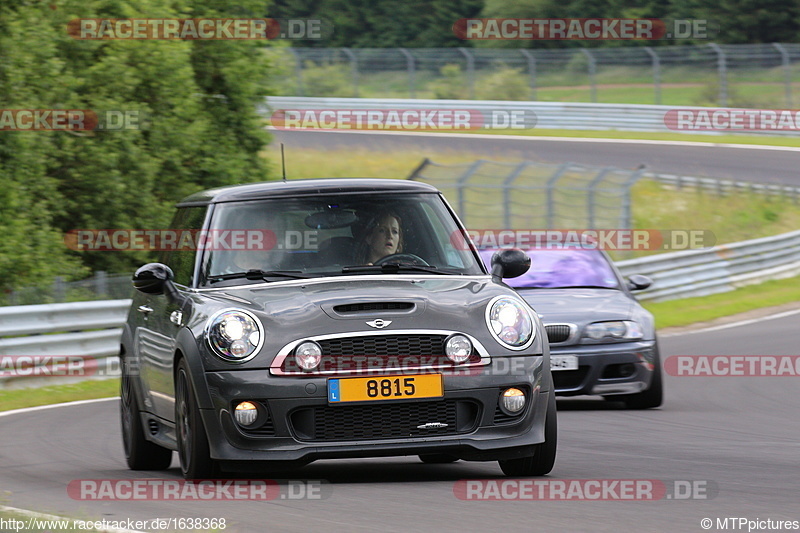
(308, 355)
(458, 348)
(246, 413)
(513, 400)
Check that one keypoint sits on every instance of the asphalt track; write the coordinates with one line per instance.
(738, 435)
(761, 164)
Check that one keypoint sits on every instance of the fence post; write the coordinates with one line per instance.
(627, 217)
(411, 66)
(551, 184)
(591, 196)
(722, 68)
(592, 71)
(298, 71)
(656, 73)
(531, 71)
(417, 171)
(101, 283)
(59, 289)
(470, 71)
(353, 69)
(507, 193)
(787, 71)
(461, 185)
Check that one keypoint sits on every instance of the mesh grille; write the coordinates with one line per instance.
(387, 421)
(570, 379)
(557, 332)
(385, 345)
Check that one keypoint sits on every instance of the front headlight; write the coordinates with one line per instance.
(510, 322)
(234, 335)
(627, 330)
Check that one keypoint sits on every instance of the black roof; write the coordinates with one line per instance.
(292, 188)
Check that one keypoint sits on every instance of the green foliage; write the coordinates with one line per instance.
(326, 80)
(504, 83)
(452, 85)
(196, 101)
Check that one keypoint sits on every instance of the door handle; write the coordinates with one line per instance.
(145, 309)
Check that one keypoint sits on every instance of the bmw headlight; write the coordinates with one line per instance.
(510, 322)
(620, 330)
(234, 335)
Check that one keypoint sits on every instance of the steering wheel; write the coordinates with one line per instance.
(409, 259)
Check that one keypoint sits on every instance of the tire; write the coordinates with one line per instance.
(193, 449)
(653, 396)
(437, 458)
(544, 455)
(140, 453)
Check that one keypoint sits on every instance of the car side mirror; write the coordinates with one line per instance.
(637, 282)
(154, 278)
(510, 263)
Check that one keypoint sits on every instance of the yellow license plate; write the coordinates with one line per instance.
(385, 388)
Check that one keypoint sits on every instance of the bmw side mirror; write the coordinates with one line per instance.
(510, 263)
(637, 282)
(153, 278)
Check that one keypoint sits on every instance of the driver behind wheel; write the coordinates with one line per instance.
(382, 237)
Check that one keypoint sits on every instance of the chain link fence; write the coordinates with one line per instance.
(751, 75)
(488, 194)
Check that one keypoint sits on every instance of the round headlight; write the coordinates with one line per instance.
(510, 322)
(458, 348)
(234, 335)
(308, 355)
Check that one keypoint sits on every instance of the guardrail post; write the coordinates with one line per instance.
(551, 185)
(507, 193)
(101, 283)
(411, 67)
(592, 73)
(591, 196)
(722, 69)
(656, 73)
(470, 71)
(531, 70)
(59, 289)
(787, 72)
(627, 216)
(353, 69)
(298, 71)
(461, 185)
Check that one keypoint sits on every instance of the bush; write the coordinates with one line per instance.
(326, 80)
(504, 83)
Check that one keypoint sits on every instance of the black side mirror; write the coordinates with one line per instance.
(510, 263)
(153, 278)
(637, 282)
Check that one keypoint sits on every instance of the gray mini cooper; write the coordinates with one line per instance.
(293, 321)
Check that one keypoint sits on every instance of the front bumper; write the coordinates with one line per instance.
(606, 369)
(304, 427)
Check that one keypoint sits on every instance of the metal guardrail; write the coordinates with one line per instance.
(549, 115)
(89, 330)
(73, 328)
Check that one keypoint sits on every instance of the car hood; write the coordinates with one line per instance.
(579, 306)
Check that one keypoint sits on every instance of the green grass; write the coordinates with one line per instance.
(85, 390)
(704, 308)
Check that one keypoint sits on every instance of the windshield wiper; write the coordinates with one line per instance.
(260, 275)
(391, 268)
(568, 287)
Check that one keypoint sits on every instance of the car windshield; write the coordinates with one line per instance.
(295, 238)
(562, 268)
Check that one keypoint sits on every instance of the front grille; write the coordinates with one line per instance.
(373, 306)
(557, 332)
(385, 345)
(384, 421)
(570, 379)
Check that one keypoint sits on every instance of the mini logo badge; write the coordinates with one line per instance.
(379, 323)
(433, 425)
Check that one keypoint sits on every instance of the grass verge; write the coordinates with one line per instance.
(687, 311)
(85, 390)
